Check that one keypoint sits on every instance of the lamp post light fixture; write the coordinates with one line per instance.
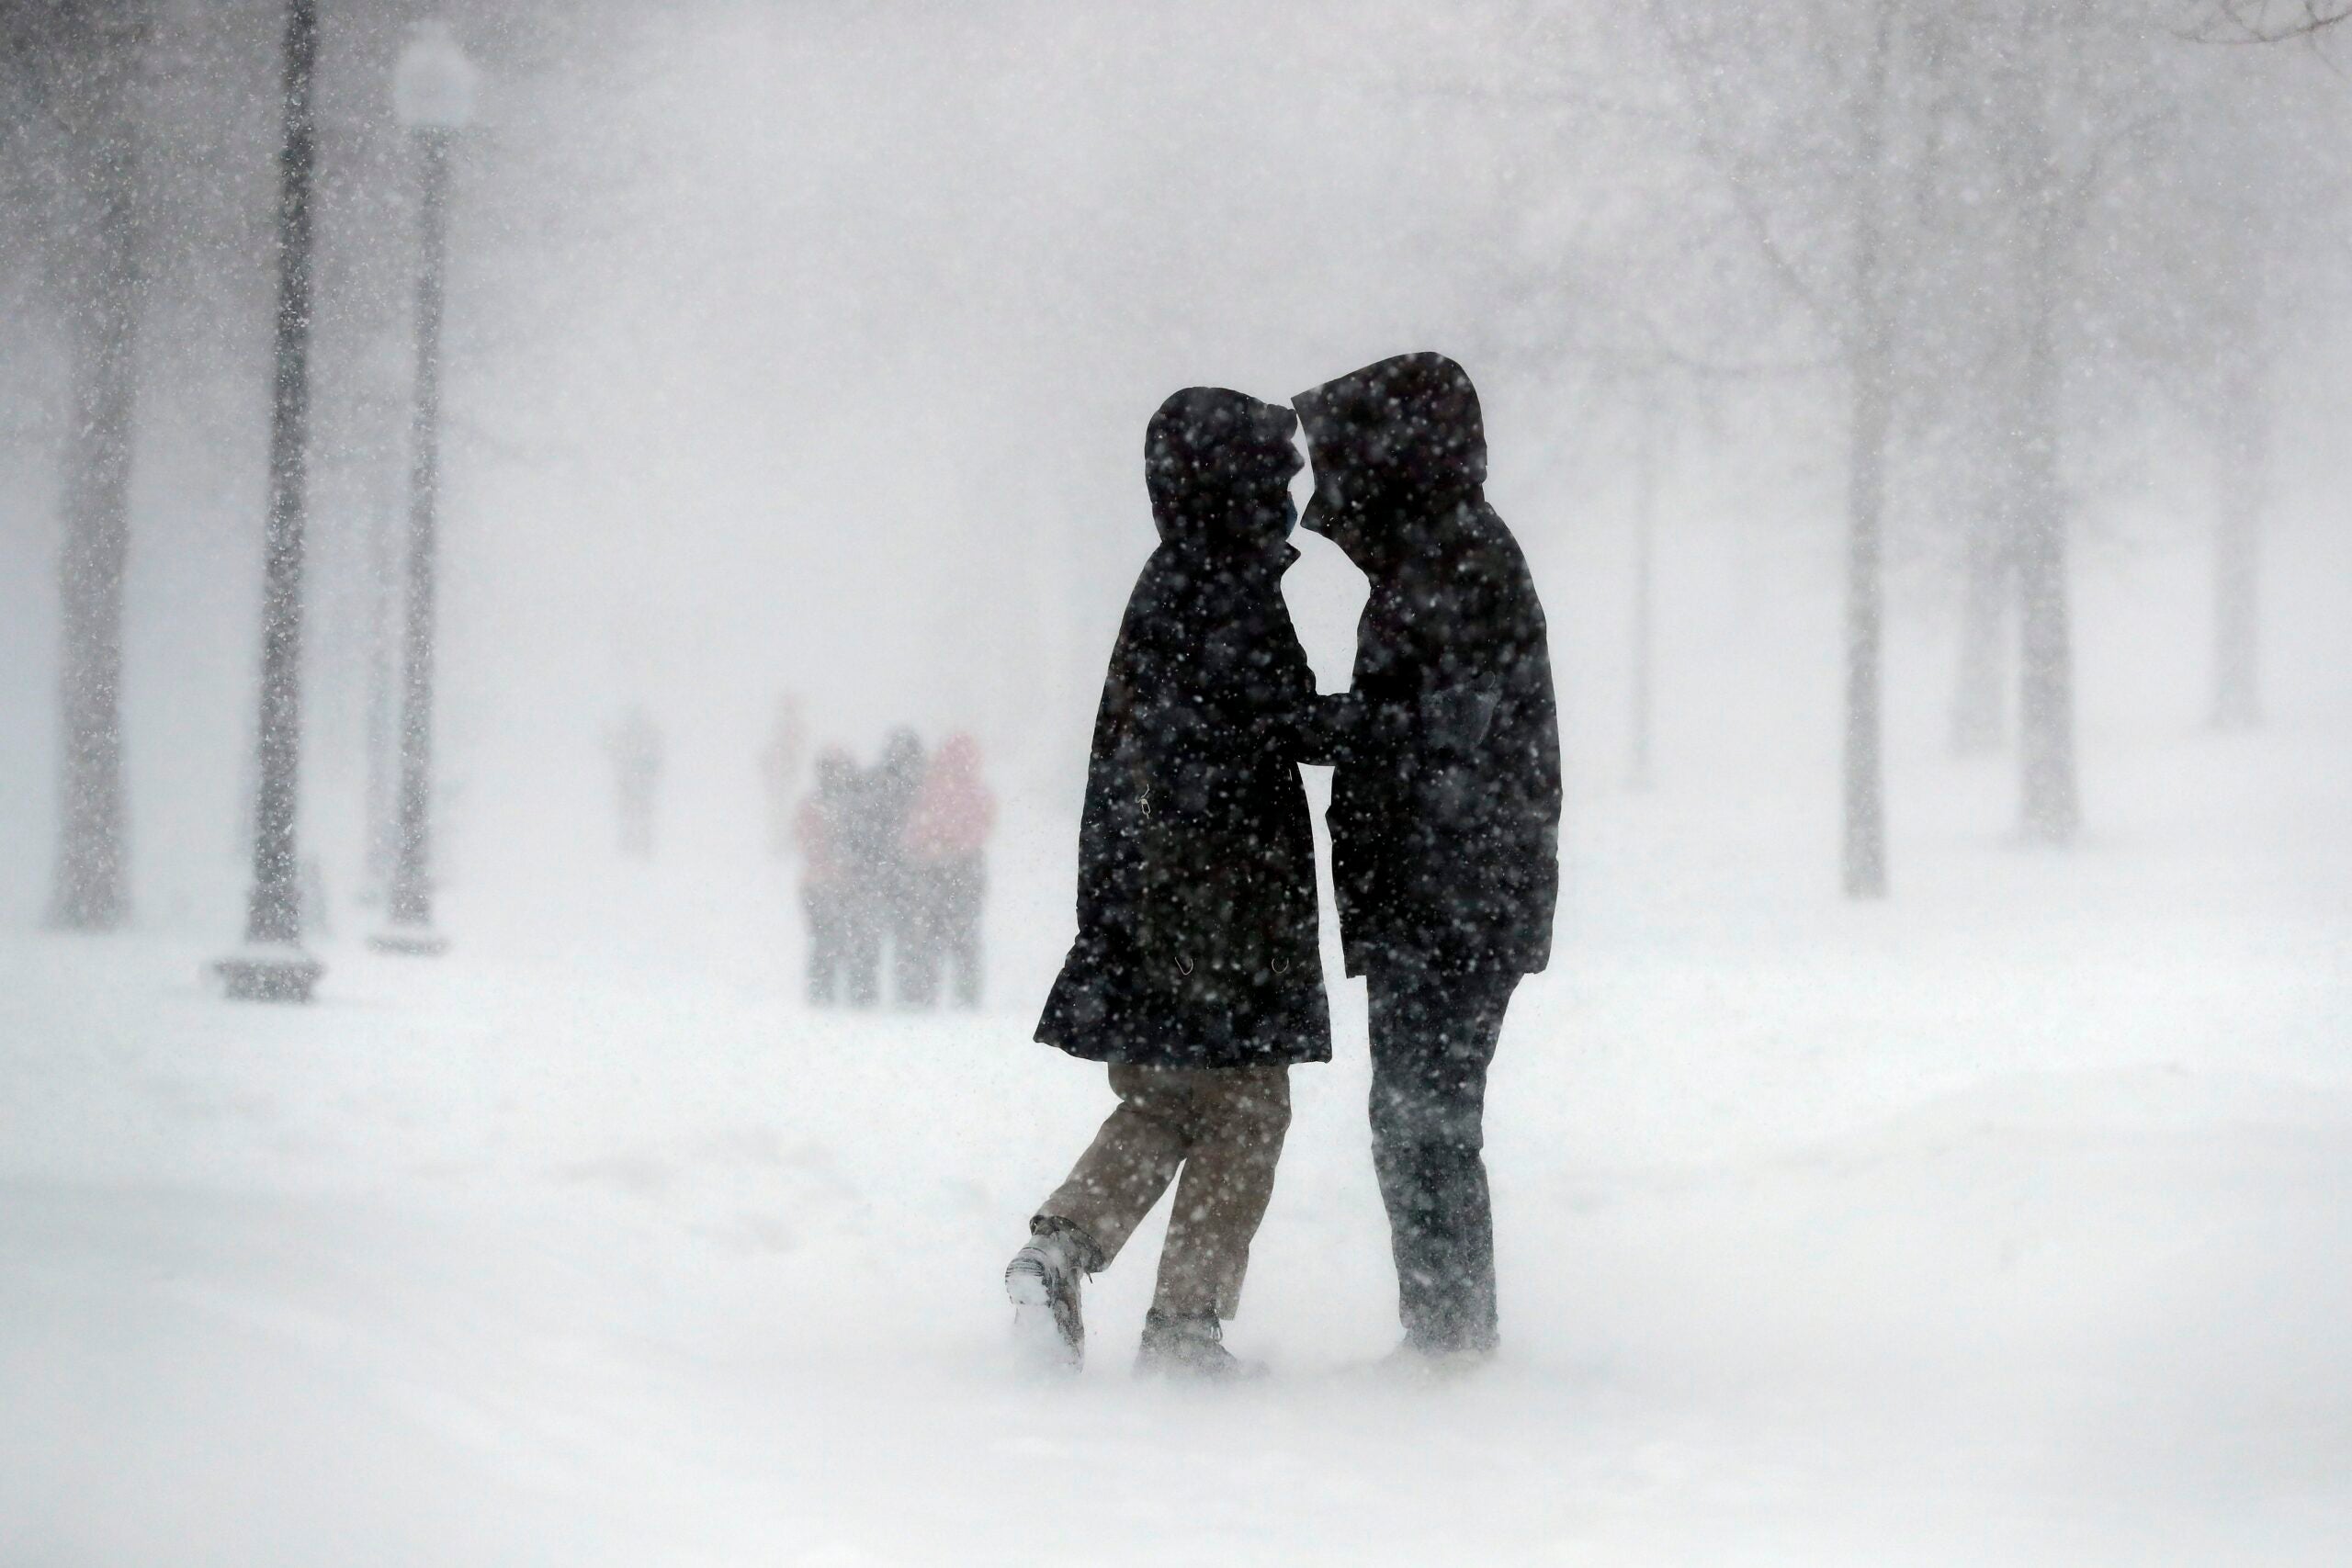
(433, 94)
(272, 964)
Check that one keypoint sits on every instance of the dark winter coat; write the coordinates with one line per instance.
(1444, 835)
(1197, 942)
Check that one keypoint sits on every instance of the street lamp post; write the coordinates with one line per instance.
(385, 384)
(432, 93)
(272, 966)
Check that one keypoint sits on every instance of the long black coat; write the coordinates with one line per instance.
(1444, 836)
(1197, 940)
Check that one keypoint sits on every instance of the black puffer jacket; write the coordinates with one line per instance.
(1445, 840)
(1197, 942)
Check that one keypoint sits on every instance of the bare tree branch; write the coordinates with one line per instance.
(1707, 120)
(2265, 21)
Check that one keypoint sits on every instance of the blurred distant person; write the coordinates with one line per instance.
(841, 965)
(880, 800)
(893, 787)
(1196, 973)
(946, 844)
(634, 746)
(1445, 838)
(780, 762)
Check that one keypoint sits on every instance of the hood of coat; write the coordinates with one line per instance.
(1219, 465)
(1396, 446)
(836, 773)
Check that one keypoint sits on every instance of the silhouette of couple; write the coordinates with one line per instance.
(1196, 974)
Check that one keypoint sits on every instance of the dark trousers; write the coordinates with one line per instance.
(903, 919)
(945, 933)
(1433, 1036)
(845, 958)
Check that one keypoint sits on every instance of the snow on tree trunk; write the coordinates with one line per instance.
(274, 913)
(91, 891)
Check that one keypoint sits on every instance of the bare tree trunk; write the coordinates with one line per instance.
(1978, 709)
(1865, 780)
(274, 908)
(2243, 473)
(2049, 806)
(91, 891)
(2052, 806)
(1863, 861)
(1646, 465)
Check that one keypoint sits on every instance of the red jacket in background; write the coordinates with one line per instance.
(954, 810)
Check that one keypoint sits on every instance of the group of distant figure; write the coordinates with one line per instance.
(893, 857)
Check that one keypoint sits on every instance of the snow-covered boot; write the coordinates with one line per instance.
(1416, 1361)
(1191, 1346)
(1043, 1283)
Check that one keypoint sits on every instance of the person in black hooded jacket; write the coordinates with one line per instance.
(1196, 972)
(1446, 807)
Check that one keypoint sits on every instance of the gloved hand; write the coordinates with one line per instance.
(1457, 718)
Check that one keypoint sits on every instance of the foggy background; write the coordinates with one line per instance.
(808, 349)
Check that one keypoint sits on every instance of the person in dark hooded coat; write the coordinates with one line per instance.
(1446, 807)
(1196, 973)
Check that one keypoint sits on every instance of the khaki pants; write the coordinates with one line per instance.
(1225, 1127)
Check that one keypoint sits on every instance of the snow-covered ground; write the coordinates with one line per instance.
(2008, 1222)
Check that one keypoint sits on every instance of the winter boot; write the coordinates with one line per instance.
(1420, 1361)
(1042, 1281)
(1190, 1346)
